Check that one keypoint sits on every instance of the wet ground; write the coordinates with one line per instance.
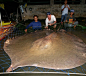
(5, 62)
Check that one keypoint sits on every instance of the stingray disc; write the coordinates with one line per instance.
(45, 49)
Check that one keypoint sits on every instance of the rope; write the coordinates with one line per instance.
(44, 73)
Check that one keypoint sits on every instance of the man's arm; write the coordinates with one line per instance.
(28, 27)
(65, 7)
(68, 7)
(46, 22)
(67, 19)
(39, 26)
(74, 20)
(54, 20)
(62, 8)
(53, 23)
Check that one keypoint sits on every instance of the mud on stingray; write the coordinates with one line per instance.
(46, 49)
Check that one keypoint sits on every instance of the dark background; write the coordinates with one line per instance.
(12, 5)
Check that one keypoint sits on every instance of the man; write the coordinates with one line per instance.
(50, 21)
(36, 25)
(64, 10)
(70, 20)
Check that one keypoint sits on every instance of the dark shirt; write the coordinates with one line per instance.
(68, 18)
(34, 25)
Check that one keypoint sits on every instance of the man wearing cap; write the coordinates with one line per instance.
(64, 10)
(50, 21)
(70, 20)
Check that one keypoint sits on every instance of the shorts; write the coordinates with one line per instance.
(70, 25)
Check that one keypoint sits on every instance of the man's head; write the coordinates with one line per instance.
(35, 18)
(71, 11)
(65, 2)
(49, 15)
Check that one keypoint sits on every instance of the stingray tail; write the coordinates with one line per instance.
(9, 69)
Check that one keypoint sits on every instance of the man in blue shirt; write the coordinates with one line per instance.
(36, 25)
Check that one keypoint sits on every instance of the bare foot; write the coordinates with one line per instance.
(61, 23)
(47, 29)
(54, 26)
(74, 26)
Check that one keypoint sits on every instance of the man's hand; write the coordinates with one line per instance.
(25, 30)
(46, 27)
(73, 22)
(66, 21)
(67, 6)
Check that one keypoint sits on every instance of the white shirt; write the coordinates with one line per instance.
(51, 21)
(65, 11)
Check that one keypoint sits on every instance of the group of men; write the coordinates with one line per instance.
(69, 20)
(50, 21)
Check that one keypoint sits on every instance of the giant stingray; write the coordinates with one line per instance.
(46, 49)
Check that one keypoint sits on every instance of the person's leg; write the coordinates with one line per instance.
(58, 26)
(70, 25)
(46, 27)
(54, 26)
(49, 27)
(75, 24)
(65, 26)
(62, 17)
(65, 16)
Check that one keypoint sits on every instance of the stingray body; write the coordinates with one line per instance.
(46, 49)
